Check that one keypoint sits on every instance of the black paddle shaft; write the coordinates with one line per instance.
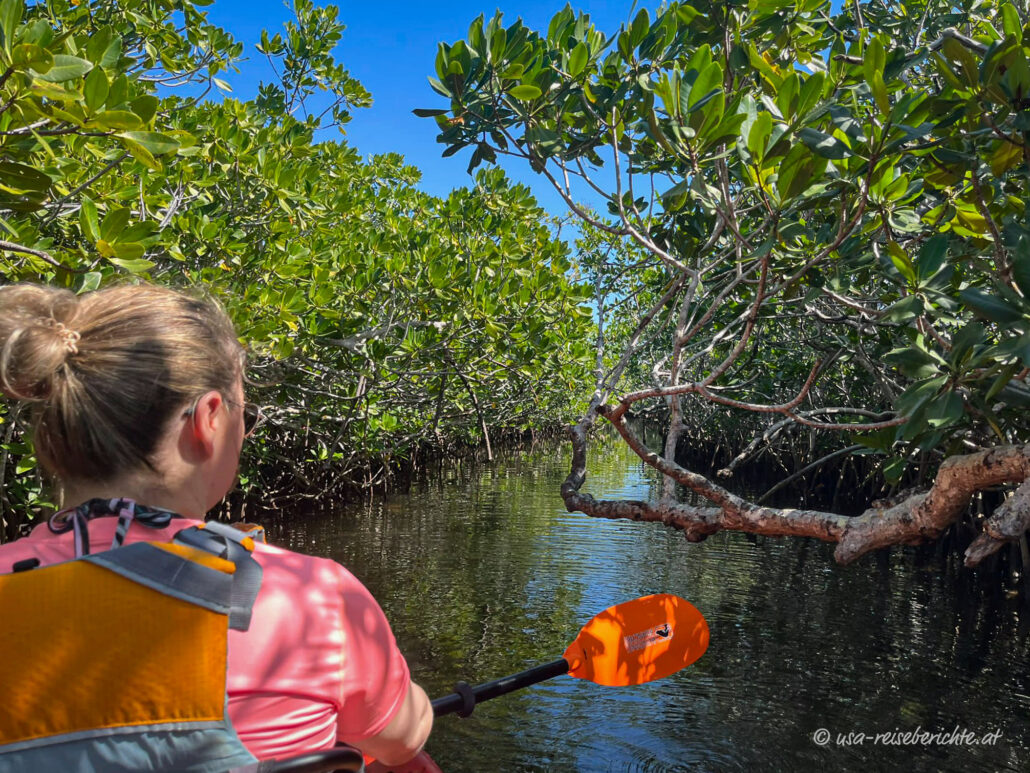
(341, 759)
(465, 697)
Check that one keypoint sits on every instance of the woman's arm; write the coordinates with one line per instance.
(406, 733)
(382, 711)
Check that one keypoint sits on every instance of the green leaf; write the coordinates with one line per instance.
(138, 231)
(811, 92)
(135, 266)
(879, 90)
(88, 221)
(546, 141)
(114, 223)
(72, 113)
(931, 257)
(1015, 394)
(971, 334)
(54, 91)
(913, 362)
(422, 112)
(439, 88)
(957, 52)
(1010, 22)
(153, 142)
(578, 59)
(902, 262)
(638, 30)
(95, 89)
(19, 177)
(116, 119)
(727, 130)
(918, 393)
(438, 274)
(894, 470)
(30, 56)
(1005, 157)
(880, 440)
(119, 92)
(10, 15)
(514, 72)
(990, 306)
(945, 410)
(708, 80)
(90, 281)
(759, 134)
(674, 198)
(129, 251)
(104, 47)
(144, 106)
(142, 155)
(824, 144)
(65, 68)
(526, 92)
(906, 310)
(797, 170)
(787, 94)
(873, 60)
(1003, 379)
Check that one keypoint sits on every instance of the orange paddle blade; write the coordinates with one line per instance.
(638, 641)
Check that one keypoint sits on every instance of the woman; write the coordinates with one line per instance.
(140, 413)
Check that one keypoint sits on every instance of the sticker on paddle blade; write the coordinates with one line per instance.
(639, 641)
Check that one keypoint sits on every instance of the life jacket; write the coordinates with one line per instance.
(116, 661)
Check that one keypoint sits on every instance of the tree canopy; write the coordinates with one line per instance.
(815, 214)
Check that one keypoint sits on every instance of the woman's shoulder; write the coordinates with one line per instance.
(282, 564)
(301, 591)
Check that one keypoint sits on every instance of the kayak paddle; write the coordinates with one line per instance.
(630, 643)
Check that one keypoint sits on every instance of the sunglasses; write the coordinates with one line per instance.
(253, 416)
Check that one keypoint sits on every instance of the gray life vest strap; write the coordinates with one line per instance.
(225, 542)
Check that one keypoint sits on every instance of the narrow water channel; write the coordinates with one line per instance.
(482, 573)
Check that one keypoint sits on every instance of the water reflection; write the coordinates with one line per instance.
(482, 573)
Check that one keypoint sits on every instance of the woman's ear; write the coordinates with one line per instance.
(205, 421)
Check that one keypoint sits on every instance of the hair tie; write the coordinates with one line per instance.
(70, 337)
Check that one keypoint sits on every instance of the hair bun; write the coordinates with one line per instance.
(34, 341)
(69, 337)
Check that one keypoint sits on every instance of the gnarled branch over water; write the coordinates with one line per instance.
(917, 518)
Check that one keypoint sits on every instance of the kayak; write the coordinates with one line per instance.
(343, 758)
(422, 763)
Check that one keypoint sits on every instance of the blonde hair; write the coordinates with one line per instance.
(108, 370)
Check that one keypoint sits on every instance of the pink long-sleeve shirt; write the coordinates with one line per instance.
(319, 662)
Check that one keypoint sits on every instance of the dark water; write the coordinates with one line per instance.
(482, 573)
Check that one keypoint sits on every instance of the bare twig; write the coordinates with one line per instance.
(12, 247)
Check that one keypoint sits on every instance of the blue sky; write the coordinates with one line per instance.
(390, 47)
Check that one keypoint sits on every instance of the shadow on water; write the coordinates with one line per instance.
(482, 573)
